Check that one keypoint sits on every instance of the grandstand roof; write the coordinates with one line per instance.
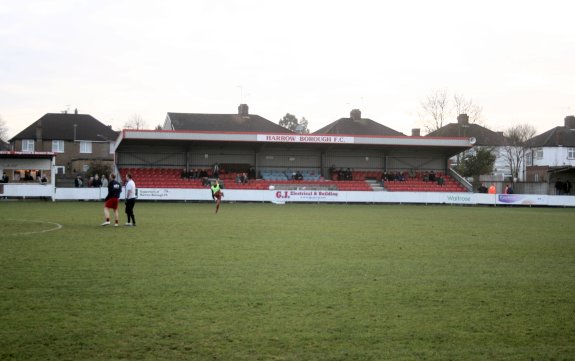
(356, 125)
(449, 146)
(241, 122)
(69, 127)
(183, 129)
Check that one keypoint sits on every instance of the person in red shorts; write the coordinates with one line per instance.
(112, 199)
(217, 194)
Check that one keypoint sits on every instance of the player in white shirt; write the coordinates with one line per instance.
(130, 200)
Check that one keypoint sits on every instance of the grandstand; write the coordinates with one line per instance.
(272, 156)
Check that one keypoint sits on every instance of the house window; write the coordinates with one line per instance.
(529, 158)
(538, 153)
(112, 144)
(571, 153)
(58, 146)
(85, 147)
(27, 145)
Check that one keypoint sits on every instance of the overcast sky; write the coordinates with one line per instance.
(114, 59)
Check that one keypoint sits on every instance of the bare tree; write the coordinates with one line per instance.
(135, 122)
(438, 108)
(3, 130)
(462, 105)
(435, 110)
(518, 137)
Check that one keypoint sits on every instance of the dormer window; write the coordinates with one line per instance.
(27, 145)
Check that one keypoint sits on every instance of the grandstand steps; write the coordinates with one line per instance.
(375, 185)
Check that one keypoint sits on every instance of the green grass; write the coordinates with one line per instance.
(287, 282)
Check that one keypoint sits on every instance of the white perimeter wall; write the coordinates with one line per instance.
(172, 194)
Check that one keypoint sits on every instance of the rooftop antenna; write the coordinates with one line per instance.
(241, 94)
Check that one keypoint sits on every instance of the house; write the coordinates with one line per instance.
(243, 121)
(551, 158)
(78, 140)
(481, 137)
(356, 125)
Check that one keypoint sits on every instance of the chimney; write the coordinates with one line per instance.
(463, 119)
(76, 111)
(570, 122)
(39, 146)
(559, 138)
(243, 110)
(355, 114)
(416, 132)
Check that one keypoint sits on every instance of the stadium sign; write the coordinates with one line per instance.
(304, 138)
(307, 196)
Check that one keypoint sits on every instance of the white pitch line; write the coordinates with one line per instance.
(57, 226)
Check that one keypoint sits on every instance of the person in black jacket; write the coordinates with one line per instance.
(112, 199)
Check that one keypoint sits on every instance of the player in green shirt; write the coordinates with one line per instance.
(217, 194)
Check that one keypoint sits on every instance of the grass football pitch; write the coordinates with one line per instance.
(286, 282)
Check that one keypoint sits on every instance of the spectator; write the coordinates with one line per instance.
(104, 181)
(78, 182)
(96, 183)
(559, 187)
(432, 176)
(4, 178)
(508, 189)
(348, 174)
(43, 179)
(482, 188)
(440, 181)
(216, 171)
(492, 189)
(566, 187)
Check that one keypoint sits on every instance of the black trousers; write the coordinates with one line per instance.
(130, 203)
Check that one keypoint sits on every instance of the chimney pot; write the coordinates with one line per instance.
(243, 110)
(463, 119)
